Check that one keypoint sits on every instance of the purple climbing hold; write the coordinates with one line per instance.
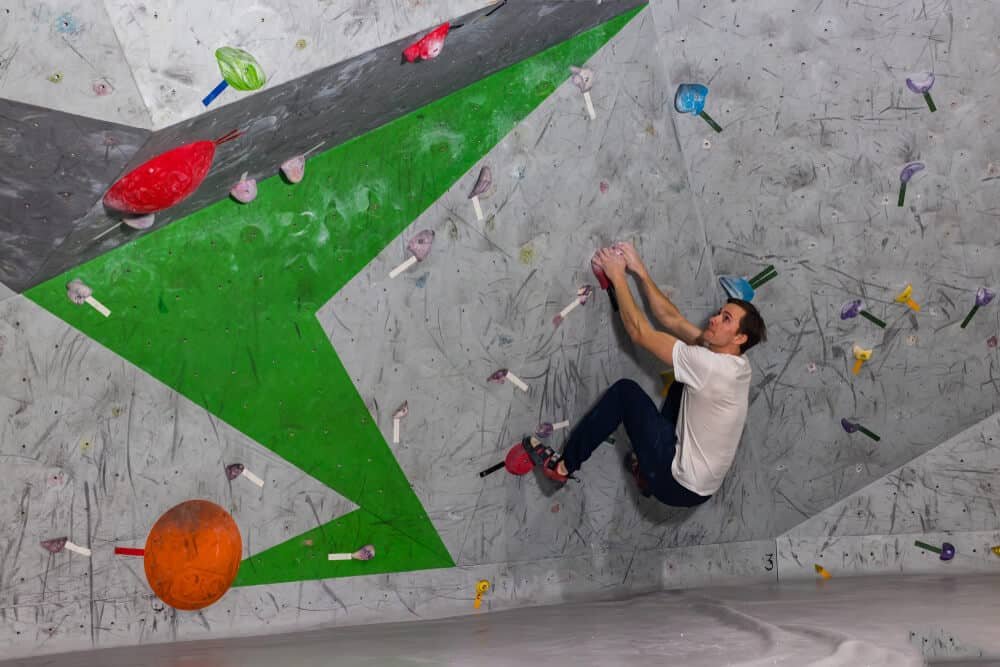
(544, 430)
(851, 309)
(922, 83)
(234, 470)
(909, 169)
(947, 551)
(849, 426)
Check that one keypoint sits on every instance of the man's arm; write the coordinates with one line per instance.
(638, 327)
(667, 314)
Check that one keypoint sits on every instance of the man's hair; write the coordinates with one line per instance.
(751, 324)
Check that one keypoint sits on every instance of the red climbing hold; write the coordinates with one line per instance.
(429, 46)
(518, 462)
(164, 180)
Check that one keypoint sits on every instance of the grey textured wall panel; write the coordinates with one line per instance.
(953, 487)
(818, 123)
(65, 56)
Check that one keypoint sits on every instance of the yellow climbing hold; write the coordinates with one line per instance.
(995, 550)
(821, 571)
(56, 77)
(904, 297)
(300, 44)
(668, 379)
(481, 588)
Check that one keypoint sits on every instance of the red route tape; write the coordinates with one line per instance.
(129, 551)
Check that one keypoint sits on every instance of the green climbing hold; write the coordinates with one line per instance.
(240, 69)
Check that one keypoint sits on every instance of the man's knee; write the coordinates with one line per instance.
(625, 385)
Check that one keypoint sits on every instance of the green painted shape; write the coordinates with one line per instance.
(221, 307)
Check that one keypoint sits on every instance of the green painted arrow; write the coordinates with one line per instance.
(221, 306)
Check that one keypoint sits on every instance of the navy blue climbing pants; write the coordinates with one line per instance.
(652, 432)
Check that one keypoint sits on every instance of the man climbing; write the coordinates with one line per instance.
(682, 452)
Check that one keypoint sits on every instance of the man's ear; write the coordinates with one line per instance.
(740, 339)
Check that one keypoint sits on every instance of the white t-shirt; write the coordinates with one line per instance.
(713, 412)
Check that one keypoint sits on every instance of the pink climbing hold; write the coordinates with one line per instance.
(54, 546)
(420, 245)
(78, 291)
(139, 222)
(245, 191)
(294, 169)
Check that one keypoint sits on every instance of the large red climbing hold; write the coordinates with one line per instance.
(164, 180)
(429, 46)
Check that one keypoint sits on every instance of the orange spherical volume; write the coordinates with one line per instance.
(193, 554)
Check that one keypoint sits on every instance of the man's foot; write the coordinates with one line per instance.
(551, 462)
(632, 465)
(555, 468)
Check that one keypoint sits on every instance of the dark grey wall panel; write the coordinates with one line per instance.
(53, 167)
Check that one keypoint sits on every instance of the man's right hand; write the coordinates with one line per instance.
(632, 260)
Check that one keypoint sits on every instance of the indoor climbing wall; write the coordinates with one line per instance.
(356, 295)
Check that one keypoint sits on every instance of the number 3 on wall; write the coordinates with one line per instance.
(769, 562)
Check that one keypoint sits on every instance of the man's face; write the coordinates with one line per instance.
(723, 327)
